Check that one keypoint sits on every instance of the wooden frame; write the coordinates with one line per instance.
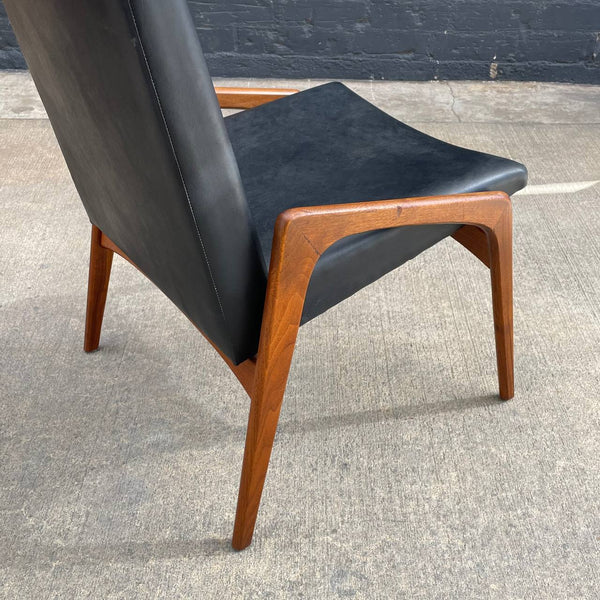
(301, 235)
(249, 97)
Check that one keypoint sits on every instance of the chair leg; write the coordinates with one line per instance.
(292, 260)
(500, 244)
(99, 275)
(272, 367)
(262, 424)
(494, 249)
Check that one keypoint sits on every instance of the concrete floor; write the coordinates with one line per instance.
(396, 472)
(411, 102)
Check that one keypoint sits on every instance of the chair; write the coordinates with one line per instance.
(259, 222)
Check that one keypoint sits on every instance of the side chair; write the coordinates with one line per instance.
(256, 223)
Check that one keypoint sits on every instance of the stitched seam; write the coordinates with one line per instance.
(162, 114)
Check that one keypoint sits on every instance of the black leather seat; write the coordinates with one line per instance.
(327, 145)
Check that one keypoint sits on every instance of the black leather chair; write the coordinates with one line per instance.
(255, 223)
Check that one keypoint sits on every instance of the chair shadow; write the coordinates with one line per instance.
(133, 552)
(220, 430)
(392, 413)
(140, 552)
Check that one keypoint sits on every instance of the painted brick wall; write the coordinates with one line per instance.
(392, 39)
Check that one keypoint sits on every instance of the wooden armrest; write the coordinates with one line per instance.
(322, 226)
(230, 97)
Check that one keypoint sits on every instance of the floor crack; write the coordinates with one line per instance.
(453, 102)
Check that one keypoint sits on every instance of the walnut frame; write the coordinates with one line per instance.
(301, 235)
(232, 97)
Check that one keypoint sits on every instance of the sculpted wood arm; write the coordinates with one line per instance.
(233, 97)
(300, 238)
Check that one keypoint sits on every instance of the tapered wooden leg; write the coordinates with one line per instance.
(494, 249)
(292, 260)
(500, 243)
(272, 368)
(99, 275)
(262, 424)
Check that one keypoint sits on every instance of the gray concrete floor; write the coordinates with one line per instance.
(411, 102)
(396, 472)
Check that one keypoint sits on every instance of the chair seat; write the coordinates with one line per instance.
(327, 145)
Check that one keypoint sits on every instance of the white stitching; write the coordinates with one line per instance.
(162, 114)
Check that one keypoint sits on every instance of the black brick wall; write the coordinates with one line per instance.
(546, 40)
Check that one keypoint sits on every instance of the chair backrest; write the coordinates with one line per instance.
(132, 104)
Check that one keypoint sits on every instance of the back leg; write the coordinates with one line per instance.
(100, 264)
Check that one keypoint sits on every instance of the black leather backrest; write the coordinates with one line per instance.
(132, 104)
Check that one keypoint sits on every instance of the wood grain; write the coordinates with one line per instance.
(475, 241)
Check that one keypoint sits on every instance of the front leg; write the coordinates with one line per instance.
(500, 244)
(292, 261)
